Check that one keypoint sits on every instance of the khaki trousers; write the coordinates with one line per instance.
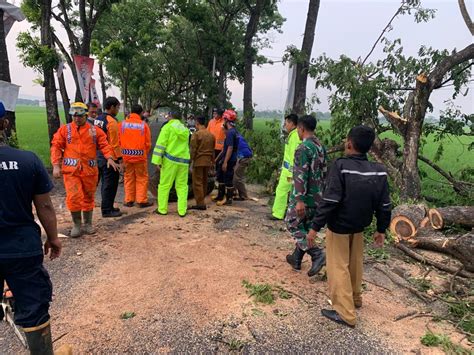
(345, 262)
(200, 184)
(239, 177)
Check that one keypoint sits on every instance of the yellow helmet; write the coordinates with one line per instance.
(78, 108)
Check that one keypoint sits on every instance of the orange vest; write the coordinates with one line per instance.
(217, 130)
(135, 139)
(76, 148)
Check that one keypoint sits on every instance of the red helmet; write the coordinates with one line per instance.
(230, 115)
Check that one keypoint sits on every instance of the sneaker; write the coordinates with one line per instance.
(335, 317)
(145, 204)
(159, 213)
(197, 207)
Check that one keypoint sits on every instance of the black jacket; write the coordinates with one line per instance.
(355, 190)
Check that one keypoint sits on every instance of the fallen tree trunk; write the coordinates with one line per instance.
(452, 270)
(461, 247)
(406, 220)
(444, 216)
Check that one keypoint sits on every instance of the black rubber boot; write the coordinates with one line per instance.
(318, 258)
(39, 340)
(220, 193)
(229, 196)
(295, 259)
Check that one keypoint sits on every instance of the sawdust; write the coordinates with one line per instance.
(182, 278)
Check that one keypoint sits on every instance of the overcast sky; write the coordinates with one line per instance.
(343, 27)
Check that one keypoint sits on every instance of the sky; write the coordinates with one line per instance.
(347, 27)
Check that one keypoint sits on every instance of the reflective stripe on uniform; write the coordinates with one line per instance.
(133, 125)
(133, 152)
(176, 159)
(369, 173)
(70, 162)
(69, 134)
(92, 163)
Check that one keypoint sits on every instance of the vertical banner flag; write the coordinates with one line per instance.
(94, 96)
(9, 95)
(84, 67)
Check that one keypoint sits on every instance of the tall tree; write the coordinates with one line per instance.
(302, 64)
(5, 69)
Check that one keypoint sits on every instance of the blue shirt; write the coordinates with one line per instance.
(231, 140)
(244, 150)
(22, 176)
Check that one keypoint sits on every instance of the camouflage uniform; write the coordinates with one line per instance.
(309, 173)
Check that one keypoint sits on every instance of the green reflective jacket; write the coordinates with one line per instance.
(172, 144)
(291, 143)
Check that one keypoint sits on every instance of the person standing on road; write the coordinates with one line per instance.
(135, 142)
(172, 158)
(74, 153)
(109, 175)
(356, 190)
(216, 127)
(286, 176)
(23, 181)
(309, 173)
(244, 156)
(226, 160)
(202, 157)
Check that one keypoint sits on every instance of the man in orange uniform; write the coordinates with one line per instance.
(75, 147)
(216, 127)
(110, 177)
(135, 141)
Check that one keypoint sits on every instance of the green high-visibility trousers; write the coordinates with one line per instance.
(177, 173)
(281, 194)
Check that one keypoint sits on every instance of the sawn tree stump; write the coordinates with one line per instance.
(444, 216)
(406, 220)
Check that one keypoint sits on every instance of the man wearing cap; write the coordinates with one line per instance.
(74, 154)
(227, 160)
(171, 156)
(23, 181)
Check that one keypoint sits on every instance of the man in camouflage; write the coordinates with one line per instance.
(309, 172)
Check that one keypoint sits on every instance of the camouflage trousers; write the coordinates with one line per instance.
(297, 226)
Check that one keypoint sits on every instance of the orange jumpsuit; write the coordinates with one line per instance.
(135, 143)
(215, 126)
(76, 148)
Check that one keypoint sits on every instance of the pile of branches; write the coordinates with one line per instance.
(448, 230)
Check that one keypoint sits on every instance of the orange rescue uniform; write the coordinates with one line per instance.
(215, 126)
(135, 143)
(113, 136)
(75, 147)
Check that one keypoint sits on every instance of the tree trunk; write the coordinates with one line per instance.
(406, 219)
(5, 73)
(221, 79)
(461, 247)
(102, 81)
(64, 97)
(301, 79)
(48, 72)
(249, 58)
(445, 216)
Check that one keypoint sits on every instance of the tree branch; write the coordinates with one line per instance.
(436, 76)
(389, 24)
(394, 119)
(460, 187)
(466, 16)
(455, 74)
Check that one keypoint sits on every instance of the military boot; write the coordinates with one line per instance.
(76, 228)
(88, 229)
(318, 259)
(39, 339)
(220, 193)
(229, 195)
(295, 259)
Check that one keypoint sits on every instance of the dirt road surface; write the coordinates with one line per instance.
(182, 279)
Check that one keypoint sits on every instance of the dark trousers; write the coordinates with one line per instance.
(109, 185)
(226, 177)
(31, 287)
(200, 174)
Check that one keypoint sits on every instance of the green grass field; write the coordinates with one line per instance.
(33, 135)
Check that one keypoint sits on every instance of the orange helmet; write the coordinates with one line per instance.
(230, 115)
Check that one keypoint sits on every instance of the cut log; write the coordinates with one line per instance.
(406, 219)
(461, 247)
(445, 216)
(425, 222)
